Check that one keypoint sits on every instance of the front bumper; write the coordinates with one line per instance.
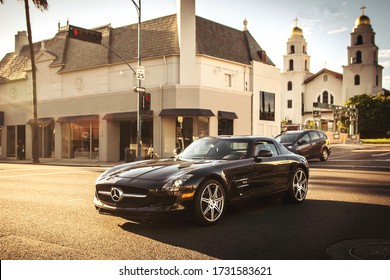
(116, 210)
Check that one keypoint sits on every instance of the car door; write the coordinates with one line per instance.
(303, 145)
(238, 173)
(316, 144)
(270, 169)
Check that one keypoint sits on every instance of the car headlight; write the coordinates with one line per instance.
(175, 183)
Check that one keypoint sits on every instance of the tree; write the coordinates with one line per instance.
(374, 116)
(42, 5)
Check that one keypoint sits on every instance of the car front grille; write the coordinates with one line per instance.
(132, 197)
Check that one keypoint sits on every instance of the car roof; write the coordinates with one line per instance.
(240, 137)
(300, 131)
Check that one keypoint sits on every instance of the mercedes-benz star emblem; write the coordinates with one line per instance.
(116, 194)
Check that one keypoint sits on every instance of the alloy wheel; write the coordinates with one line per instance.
(299, 185)
(211, 202)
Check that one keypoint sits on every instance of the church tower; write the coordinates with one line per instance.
(296, 69)
(363, 74)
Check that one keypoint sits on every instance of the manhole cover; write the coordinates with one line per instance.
(371, 252)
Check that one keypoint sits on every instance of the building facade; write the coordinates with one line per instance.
(309, 99)
(205, 79)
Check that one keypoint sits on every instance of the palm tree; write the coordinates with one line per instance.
(42, 5)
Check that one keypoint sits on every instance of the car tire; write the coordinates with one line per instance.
(298, 186)
(210, 203)
(325, 155)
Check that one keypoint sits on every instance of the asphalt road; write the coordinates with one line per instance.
(47, 213)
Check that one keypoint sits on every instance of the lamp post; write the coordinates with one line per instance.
(139, 123)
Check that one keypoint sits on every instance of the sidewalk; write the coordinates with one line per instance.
(97, 163)
(63, 162)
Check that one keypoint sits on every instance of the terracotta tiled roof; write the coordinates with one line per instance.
(159, 38)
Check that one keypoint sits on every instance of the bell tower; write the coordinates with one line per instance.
(297, 58)
(296, 68)
(362, 74)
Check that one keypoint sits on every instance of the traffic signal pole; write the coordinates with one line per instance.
(96, 38)
(139, 121)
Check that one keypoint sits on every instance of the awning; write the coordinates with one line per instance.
(227, 115)
(186, 112)
(42, 121)
(126, 116)
(83, 118)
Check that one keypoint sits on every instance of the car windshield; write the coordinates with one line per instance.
(212, 148)
(287, 137)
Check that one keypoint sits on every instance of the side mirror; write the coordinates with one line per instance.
(263, 153)
(301, 142)
(177, 151)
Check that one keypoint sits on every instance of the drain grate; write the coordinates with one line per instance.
(371, 251)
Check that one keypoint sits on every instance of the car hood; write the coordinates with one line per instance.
(156, 170)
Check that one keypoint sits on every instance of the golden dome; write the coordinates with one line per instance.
(362, 20)
(297, 31)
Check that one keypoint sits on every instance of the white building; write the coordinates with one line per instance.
(300, 88)
(204, 79)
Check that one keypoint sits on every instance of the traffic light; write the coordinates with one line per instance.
(146, 99)
(86, 35)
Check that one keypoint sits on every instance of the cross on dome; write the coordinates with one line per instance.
(363, 8)
(296, 21)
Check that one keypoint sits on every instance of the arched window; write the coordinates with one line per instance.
(357, 80)
(306, 68)
(292, 49)
(291, 65)
(304, 49)
(359, 40)
(289, 85)
(358, 57)
(325, 97)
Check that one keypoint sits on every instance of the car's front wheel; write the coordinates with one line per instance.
(210, 201)
(298, 186)
(325, 155)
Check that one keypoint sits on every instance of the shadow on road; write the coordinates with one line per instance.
(272, 230)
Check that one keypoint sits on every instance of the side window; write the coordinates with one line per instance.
(305, 138)
(314, 136)
(264, 145)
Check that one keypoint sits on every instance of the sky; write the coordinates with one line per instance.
(326, 24)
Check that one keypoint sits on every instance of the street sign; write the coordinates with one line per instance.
(140, 89)
(83, 34)
(140, 73)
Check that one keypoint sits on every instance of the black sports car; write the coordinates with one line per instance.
(209, 174)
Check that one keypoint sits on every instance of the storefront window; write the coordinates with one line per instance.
(11, 140)
(80, 139)
(203, 127)
(225, 127)
(46, 140)
(16, 141)
(189, 129)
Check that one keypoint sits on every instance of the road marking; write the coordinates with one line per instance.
(43, 174)
(381, 155)
(349, 166)
(358, 160)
